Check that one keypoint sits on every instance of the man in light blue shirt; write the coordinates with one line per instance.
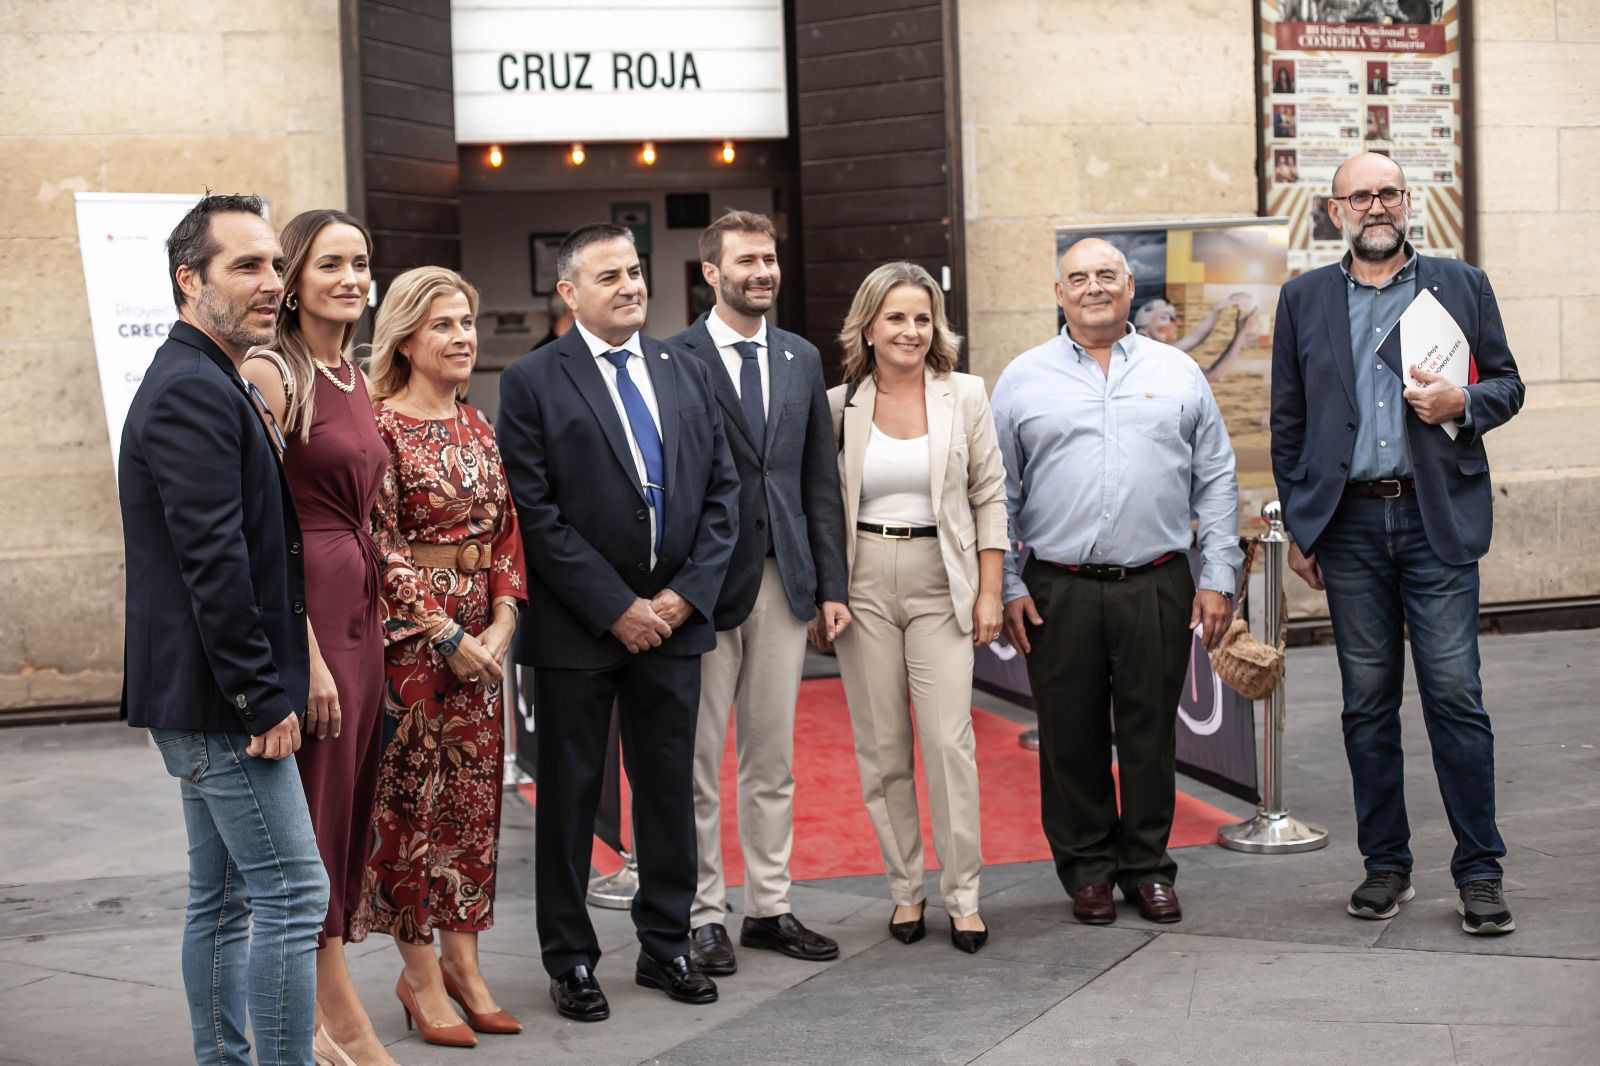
(1113, 444)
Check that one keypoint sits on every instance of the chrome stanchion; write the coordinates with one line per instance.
(1273, 830)
(616, 891)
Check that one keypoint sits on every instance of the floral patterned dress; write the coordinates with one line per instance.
(436, 819)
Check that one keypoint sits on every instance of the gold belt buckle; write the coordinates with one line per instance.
(896, 532)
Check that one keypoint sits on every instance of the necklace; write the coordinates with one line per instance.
(331, 376)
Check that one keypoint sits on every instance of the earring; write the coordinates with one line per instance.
(292, 301)
(869, 344)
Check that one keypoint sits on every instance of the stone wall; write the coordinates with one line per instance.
(1076, 112)
(158, 96)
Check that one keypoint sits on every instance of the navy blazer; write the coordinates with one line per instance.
(216, 623)
(1314, 410)
(585, 527)
(789, 487)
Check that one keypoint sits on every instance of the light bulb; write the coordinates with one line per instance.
(648, 155)
(577, 155)
(727, 151)
(497, 158)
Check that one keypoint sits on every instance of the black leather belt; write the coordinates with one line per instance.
(1113, 573)
(892, 532)
(1381, 490)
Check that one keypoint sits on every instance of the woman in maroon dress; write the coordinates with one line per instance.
(335, 463)
(453, 583)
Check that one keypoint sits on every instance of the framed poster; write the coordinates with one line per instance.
(637, 218)
(542, 249)
(1337, 77)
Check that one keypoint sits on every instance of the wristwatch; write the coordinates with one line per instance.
(1228, 596)
(448, 646)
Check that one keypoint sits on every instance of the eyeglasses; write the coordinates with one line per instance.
(1360, 201)
(1076, 282)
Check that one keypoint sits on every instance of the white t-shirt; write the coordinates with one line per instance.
(895, 488)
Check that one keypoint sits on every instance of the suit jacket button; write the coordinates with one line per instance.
(644, 566)
(1351, 426)
(294, 548)
(240, 702)
(761, 523)
(640, 514)
(1344, 466)
(299, 608)
(249, 716)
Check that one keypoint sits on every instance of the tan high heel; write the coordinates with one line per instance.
(497, 1022)
(445, 1034)
(325, 1051)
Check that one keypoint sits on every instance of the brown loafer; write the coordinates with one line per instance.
(1157, 903)
(1092, 905)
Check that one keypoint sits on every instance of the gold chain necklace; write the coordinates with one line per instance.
(341, 386)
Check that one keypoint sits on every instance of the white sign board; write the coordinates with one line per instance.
(530, 71)
(123, 237)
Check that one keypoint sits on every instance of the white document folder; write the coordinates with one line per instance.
(1431, 339)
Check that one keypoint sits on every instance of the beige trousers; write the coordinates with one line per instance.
(755, 667)
(905, 642)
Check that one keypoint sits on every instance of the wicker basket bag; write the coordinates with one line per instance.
(1249, 667)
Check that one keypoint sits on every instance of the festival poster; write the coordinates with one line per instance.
(1343, 76)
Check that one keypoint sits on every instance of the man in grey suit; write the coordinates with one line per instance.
(789, 563)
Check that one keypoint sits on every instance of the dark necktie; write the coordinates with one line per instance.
(646, 437)
(750, 391)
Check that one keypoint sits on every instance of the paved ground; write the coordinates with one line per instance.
(1266, 968)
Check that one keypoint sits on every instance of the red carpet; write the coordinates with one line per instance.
(832, 835)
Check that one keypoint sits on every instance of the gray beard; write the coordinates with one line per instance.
(227, 323)
(1375, 247)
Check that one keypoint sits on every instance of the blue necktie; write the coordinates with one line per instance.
(750, 391)
(646, 437)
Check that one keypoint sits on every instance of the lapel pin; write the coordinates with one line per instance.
(665, 356)
(788, 354)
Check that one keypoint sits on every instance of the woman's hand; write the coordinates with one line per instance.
(472, 661)
(322, 700)
(817, 633)
(496, 639)
(987, 615)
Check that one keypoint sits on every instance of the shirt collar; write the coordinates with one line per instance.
(1406, 273)
(724, 335)
(598, 347)
(1126, 343)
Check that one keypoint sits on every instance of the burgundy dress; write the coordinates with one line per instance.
(335, 478)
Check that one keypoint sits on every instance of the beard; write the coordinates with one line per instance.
(1373, 242)
(227, 322)
(739, 297)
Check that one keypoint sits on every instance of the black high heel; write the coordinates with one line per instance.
(910, 932)
(968, 940)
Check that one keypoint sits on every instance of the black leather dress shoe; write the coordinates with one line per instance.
(785, 935)
(577, 996)
(969, 940)
(711, 951)
(676, 978)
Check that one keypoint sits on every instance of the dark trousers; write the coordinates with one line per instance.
(1382, 575)
(1109, 650)
(657, 698)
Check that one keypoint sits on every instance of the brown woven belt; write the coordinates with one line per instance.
(467, 556)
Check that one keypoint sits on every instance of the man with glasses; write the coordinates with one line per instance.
(1112, 443)
(1390, 515)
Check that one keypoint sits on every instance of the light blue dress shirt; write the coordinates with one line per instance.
(1109, 469)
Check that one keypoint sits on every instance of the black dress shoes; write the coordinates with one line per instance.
(577, 996)
(785, 935)
(910, 932)
(676, 978)
(711, 950)
(968, 940)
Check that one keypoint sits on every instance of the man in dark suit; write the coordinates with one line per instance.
(789, 560)
(1391, 516)
(216, 664)
(627, 498)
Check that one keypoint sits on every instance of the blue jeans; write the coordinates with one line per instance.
(1381, 575)
(257, 898)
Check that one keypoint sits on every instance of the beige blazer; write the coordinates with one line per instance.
(967, 476)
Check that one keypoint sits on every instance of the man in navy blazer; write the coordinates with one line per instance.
(789, 564)
(216, 663)
(627, 498)
(1391, 515)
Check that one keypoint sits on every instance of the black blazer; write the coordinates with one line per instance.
(1314, 411)
(581, 509)
(789, 499)
(216, 623)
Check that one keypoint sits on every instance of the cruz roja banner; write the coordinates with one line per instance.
(123, 238)
(1216, 725)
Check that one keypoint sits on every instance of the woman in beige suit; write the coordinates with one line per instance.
(924, 491)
